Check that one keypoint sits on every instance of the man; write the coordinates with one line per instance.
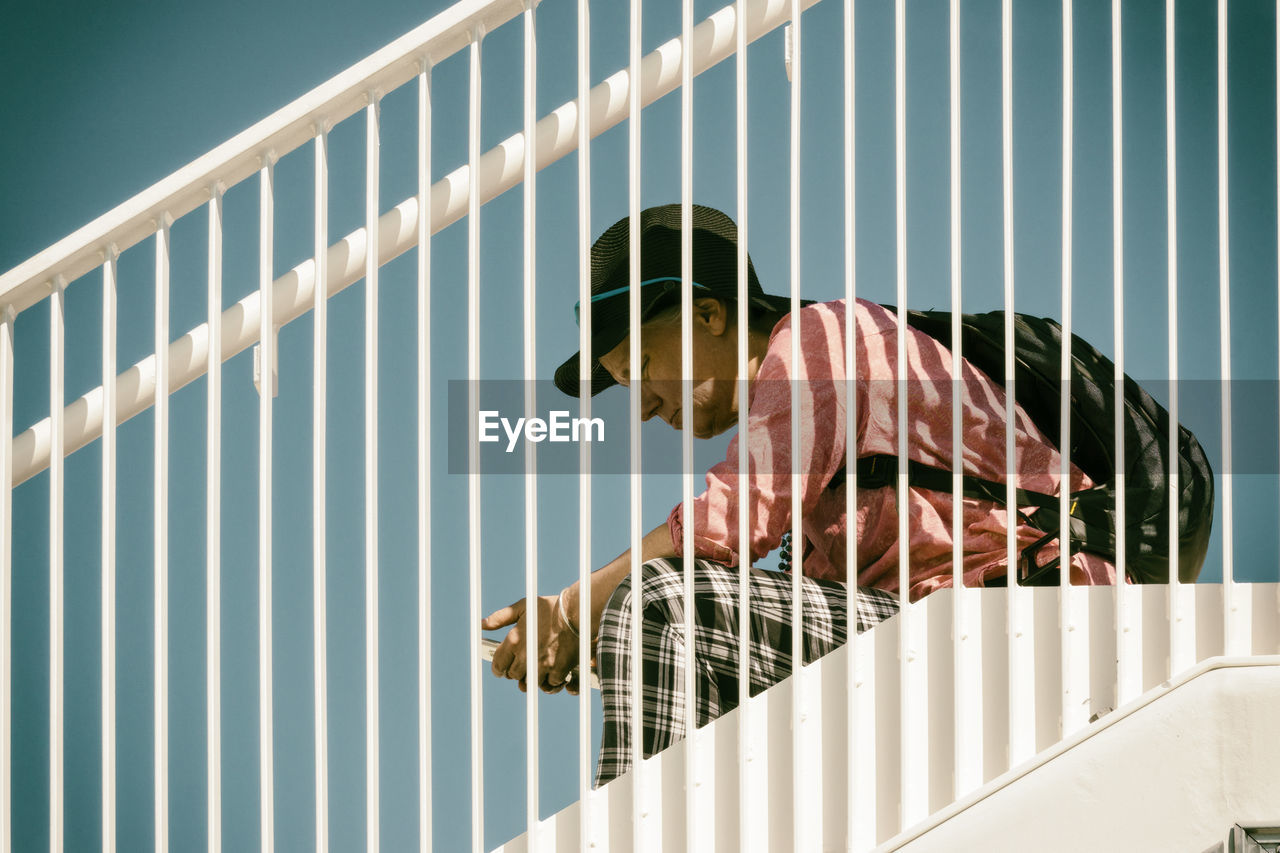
(821, 460)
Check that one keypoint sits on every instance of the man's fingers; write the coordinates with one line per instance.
(504, 616)
(517, 667)
(505, 654)
(553, 682)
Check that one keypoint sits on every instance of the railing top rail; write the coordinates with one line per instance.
(500, 169)
(240, 156)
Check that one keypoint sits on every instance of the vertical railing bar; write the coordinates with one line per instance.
(744, 488)
(1021, 673)
(642, 816)
(425, 822)
(213, 524)
(1234, 642)
(57, 421)
(473, 468)
(1128, 626)
(695, 824)
(861, 792)
(160, 532)
(957, 413)
(1074, 614)
(6, 576)
(531, 408)
(802, 793)
(266, 390)
(1179, 638)
(319, 485)
(752, 817)
(968, 671)
(371, 725)
(109, 397)
(1064, 400)
(585, 366)
(900, 250)
(914, 755)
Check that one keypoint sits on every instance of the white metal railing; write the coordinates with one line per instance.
(877, 686)
(876, 810)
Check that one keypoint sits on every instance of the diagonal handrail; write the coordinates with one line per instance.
(501, 168)
(240, 157)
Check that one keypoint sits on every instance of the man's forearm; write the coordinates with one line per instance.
(604, 580)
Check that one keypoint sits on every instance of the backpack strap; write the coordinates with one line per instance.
(1087, 532)
(878, 471)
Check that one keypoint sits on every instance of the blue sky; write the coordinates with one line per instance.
(102, 101)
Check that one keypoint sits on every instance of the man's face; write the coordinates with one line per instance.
(659, 367)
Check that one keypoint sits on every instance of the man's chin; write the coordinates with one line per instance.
(704, 430)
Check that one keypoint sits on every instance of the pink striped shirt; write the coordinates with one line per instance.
(824, 453)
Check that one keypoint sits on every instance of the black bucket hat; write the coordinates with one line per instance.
(715, 273)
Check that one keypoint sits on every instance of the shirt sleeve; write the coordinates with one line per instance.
(770, 457)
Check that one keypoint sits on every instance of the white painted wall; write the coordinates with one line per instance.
(1173, 775)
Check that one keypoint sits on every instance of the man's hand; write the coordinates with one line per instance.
(557, 645)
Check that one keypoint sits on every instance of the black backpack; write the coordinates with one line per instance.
(1037, 389)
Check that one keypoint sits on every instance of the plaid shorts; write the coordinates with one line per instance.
(824, 625)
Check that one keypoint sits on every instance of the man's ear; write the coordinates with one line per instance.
(712, 314)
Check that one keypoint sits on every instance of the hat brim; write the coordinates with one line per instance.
(567, 377)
